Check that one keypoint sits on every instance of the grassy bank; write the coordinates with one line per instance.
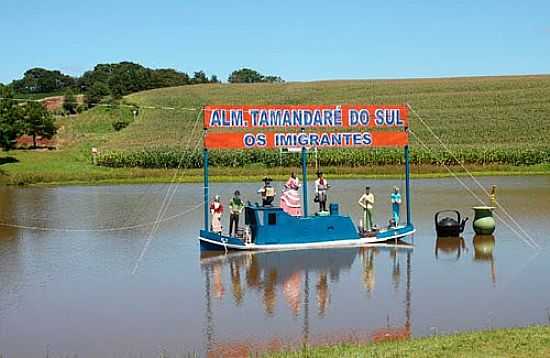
(517, 342)
(56, 167)
(495, 125)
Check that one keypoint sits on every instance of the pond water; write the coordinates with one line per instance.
(70, 289)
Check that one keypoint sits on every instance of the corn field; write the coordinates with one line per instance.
(334, 158)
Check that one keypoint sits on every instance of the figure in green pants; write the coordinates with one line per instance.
(367, 203)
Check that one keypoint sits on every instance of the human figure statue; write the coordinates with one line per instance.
(236, 206)
(290, 198)
(367, 203)
(395, 205)
(321, 187)
(216, 209)
(267, 192)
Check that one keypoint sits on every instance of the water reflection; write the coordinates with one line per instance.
(484, 246)
(277, 274)
(300, 280)
(12, 268)
(11, 258)
(449, 248)
(8, 207)
(368, 256)
(67, 281)
(9, 234)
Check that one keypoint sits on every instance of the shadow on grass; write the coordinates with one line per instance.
(8, 160)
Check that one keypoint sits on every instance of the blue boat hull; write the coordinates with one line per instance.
(271, 228)
(210, 241)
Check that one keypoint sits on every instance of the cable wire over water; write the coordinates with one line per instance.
(168, 197)
(104, 229)
(471, 192)
(526, 237)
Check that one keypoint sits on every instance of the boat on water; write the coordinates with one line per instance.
(273, 228)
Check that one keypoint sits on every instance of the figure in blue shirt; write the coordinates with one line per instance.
(395, 204)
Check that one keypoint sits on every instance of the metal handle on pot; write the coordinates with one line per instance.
(447, 211)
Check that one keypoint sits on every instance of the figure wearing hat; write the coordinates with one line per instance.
(321, 187)
(236, 206)
(267, 192)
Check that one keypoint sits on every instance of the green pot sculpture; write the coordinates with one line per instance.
(484, 223)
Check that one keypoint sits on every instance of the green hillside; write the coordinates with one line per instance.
(479, 111)
(492, 124)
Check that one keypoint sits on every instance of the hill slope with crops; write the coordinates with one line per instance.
(483, 120)
(493, 125)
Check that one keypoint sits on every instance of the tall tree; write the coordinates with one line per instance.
(166, 77)
(10, 119)
(127, 77)
(38, 121)
(199, 77)
(247, 75)
(69, 102)
(273, 79)
(41, 80)
(95, 93)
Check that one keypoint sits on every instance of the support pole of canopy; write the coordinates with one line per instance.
(304, 176)
(408, 184)
(205, 199)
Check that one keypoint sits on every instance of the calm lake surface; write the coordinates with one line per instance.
(73, 292)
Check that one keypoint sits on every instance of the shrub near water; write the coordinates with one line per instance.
(159, 158)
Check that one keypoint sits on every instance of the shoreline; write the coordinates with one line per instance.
(126, 176)
(72, 167)
(530, 341)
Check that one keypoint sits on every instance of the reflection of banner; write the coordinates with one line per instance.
(269, 140)
(308, 117)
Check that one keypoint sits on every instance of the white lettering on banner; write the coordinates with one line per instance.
(273, 118)
(284, 140)
(388, 117)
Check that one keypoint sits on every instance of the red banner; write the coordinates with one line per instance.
(271, 140)
(308, 117)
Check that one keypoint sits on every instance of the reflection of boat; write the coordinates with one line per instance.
(302, 279)
(448, 226)
(449, 246)
(272, 228)
(267, 271)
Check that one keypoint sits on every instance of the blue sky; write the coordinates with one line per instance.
(298, 40)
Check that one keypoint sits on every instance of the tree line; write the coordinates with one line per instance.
(120, 79)
(115, 80)
(105, 80)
